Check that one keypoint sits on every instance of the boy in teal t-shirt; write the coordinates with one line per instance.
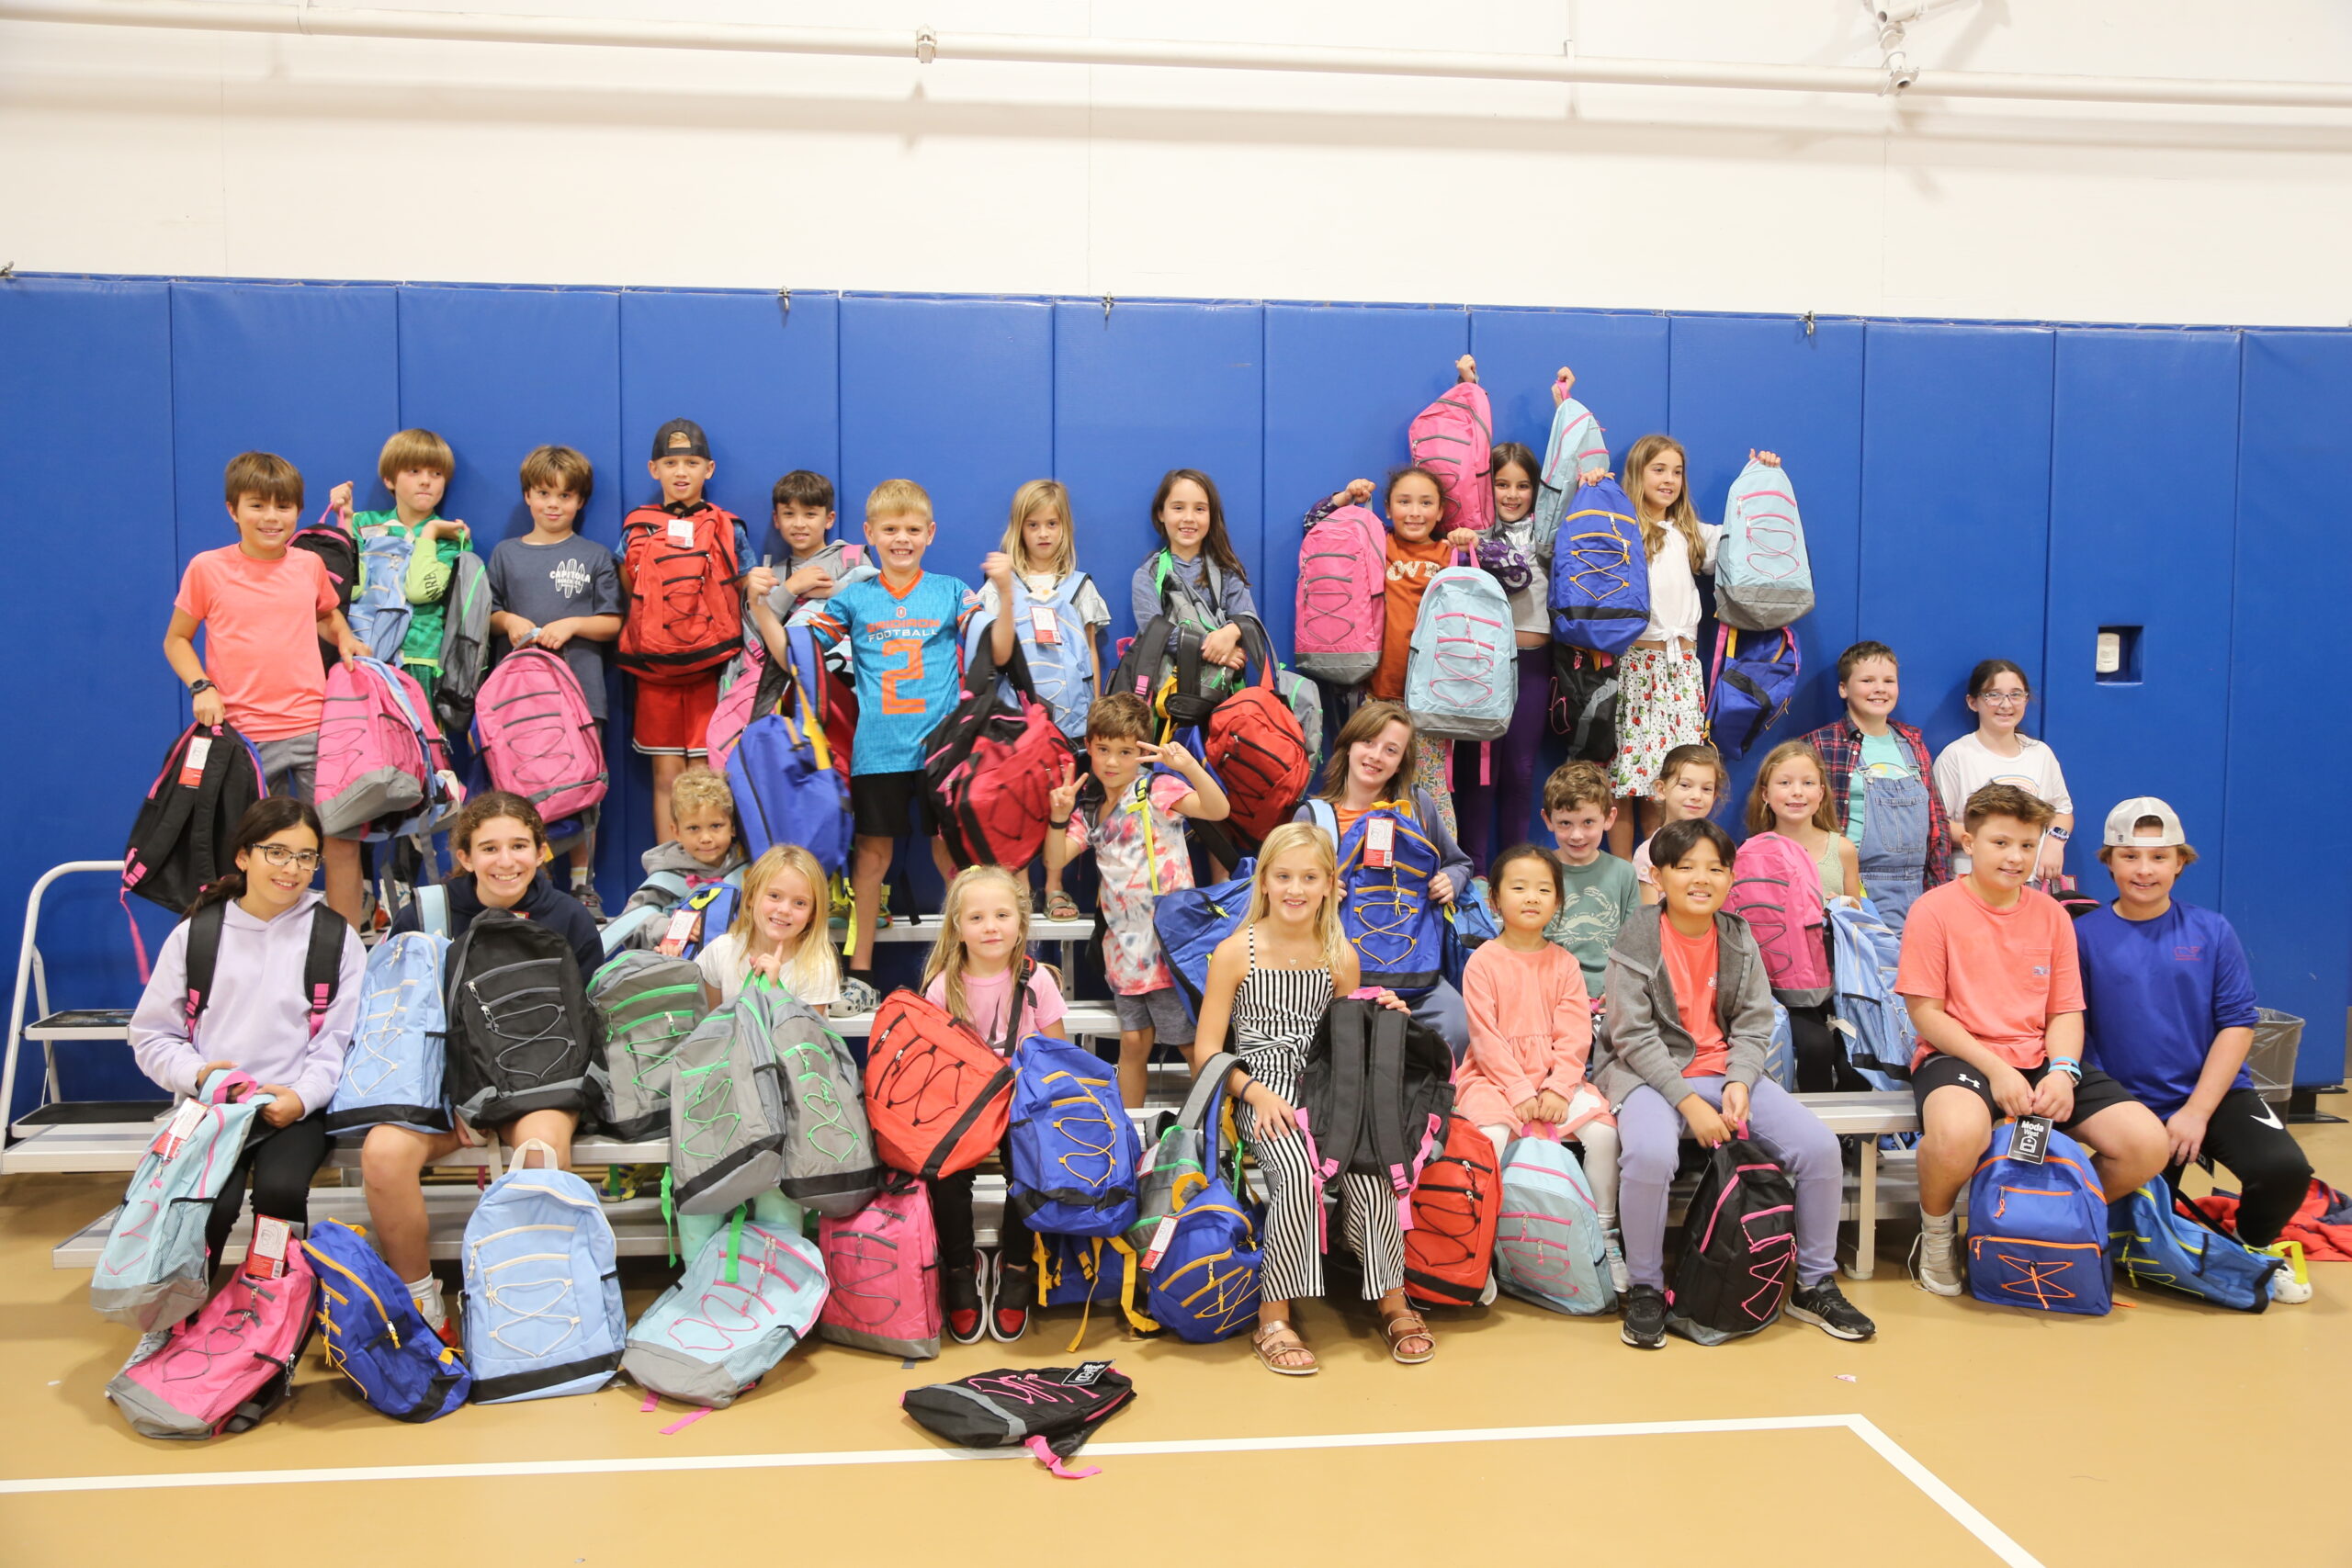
(416, 466)
(1599, 890)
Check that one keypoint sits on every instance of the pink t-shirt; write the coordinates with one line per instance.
(2001, 974)
(985, 1000)
(261, 640)
(1691, 965)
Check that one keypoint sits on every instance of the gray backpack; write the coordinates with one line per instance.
(650, 1005)
(727, 1114)
(829, 1163)
(465, 642)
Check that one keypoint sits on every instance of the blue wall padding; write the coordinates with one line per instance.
(2141, 493)
(2287, 838)
(1969, 490)
(1149, 387)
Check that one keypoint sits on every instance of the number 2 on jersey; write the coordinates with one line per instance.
(910, 672)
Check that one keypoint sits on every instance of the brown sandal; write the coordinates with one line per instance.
(1278, 1338)
(1060, 906)
(1403, 1327)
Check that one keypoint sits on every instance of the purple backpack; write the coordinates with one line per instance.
(534, 734)
(231, 1364)
(1342, 572)
(1776, 890)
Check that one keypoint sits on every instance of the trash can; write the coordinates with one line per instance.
(2272, 1060)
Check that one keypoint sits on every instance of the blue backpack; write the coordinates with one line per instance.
(380, 610)
(1601, 574)
(1549, 1248)
(1074, 1150)
(155, 1271)
(1386, 911)
(374, 1336)
(543, 1293)
(2161, 1243)
(393, 1072)
(1202, 1261)
(1470, 924)
(1751, 685)
(2037, 1233)
(1863, 1006)
(1779, 1055)
(787, 790)
(1190, 922)
(1763, 578)
(752, 1293)
(1462, 675)
(1575, 447)
(1062, 671)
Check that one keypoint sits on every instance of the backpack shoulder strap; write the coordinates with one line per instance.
(432, 909)
(1349, 1047)
(673, 883)
(203, 958)
(323, 963)
(1327, 818)
(1385, 1098)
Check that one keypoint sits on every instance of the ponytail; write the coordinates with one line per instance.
(264, 820)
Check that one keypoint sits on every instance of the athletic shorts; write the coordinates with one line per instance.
(2095, 1093)
(672, 718)
(882, 804)
(1162, 1011)
(289, 765)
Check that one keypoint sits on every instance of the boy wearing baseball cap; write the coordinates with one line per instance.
(2172, 1014)
(682, 575)
(1990, 974)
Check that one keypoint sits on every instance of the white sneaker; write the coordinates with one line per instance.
(155, 1339)
(1619, 1280)
(1494, 1286)
(1934, 1259)
(2291, 1286)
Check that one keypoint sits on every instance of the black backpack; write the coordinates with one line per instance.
(180, 844)
(1584, 702)
(523, 1035)
(1375, 1092)
(321, 962)
(339, 553)
(1050, 1411)
(1167, 648)
(1739, 1246)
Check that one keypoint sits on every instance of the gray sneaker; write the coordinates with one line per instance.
(1934, 1259)
(858, 995)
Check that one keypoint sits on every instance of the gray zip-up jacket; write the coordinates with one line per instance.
(1647, 1042)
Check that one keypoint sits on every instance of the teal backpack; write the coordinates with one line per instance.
(1763, 577)
(1549, 1248)
(393, 1073)
(1062, 671)
(752, 1293)
(155, 1271)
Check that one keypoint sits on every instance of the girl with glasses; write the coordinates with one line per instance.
(2001, 752)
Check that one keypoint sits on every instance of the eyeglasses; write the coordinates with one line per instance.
(281, 857)
(2006, 699)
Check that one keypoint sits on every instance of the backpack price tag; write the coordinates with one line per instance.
(1087, 1375)
(685, 924)
(1164, 1233)
(199, 747)
(1380, 843)
(178, 1130)
(2031, 1143)
(682, 531)
(1041, 621)
(265, 1256)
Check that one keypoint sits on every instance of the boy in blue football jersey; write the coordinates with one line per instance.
(901, 630)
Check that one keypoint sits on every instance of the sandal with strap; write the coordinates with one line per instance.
(1278, 1338)
(1060, 906)
(1403, 1327)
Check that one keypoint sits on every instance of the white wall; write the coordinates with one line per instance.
(187, 153)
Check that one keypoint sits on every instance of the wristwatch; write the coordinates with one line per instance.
(2061, 834)
(199, 686)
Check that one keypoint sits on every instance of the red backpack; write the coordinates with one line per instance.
(1454, 439)
(991, 765)
(1457, 1204)
(686, 610)
(1776, 890)
(1254, 744)
(938, 1100)
(2322, 1223)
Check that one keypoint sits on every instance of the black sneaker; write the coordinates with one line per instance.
(1645, 1318)
(1008, 1303)
(959, 1301)
(1825, 1306)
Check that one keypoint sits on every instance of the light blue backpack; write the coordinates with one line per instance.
(393, 1073)
(155, 1271)
(1063, 670)
(643, 926)
(1863, 1006)
(1576, 446)
(543, 1293)
(752, 1293)
(1549, 1248)
(1461, 678)
(380, 610)
(1763, 577)
(1779, 1053)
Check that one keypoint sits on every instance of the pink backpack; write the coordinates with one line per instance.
(534, 734)
(231, 1364)
(1776, 890)
(883, 1265)
(1343, 571)
(1454, 439)
(738, 706)
(380, 753)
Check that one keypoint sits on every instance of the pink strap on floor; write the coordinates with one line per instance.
(649, 1406)
(682, 1422)
(1053, 1461)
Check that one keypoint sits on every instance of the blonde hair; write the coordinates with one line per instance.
(1760, 817)
(1682, 515)
(1026, 499)
(696, 786)
(814, 946)
(1309, 837)
(898, 498)
(948, 960)
(414, 449)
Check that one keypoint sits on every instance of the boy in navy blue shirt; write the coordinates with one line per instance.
(2170, 1014)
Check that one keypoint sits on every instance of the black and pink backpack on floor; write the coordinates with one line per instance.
(1739, 1246)
(1050, 1411)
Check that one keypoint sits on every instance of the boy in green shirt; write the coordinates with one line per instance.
(416, 466)
(1599, 890)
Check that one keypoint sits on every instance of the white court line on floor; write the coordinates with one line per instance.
(1910, 1469)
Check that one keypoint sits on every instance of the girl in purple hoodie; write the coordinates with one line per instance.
(256, 1013)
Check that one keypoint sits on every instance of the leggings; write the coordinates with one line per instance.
(1495, 816)
(1822, 1067)
(951, 1212)
(1596, 1144)
(1652, 1131)
(280, 1162)
(2245, 1136)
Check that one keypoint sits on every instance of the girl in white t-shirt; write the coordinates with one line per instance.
(779, 931)
(2001, 753)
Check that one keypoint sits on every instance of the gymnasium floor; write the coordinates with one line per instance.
(1966, 1435)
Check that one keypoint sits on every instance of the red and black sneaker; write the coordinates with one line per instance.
(961, 1297)
(1008, 1303)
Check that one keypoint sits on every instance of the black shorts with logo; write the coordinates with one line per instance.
(2095, 1093)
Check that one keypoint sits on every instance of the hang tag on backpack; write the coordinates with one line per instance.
(1086, 1375)
(1161, 1235)
(199, 747)
(178, 1130)
(1040, 623)
(1380, 843)
(682, 531)
(265, 1254)
(685, 924)
(2030, 1143)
